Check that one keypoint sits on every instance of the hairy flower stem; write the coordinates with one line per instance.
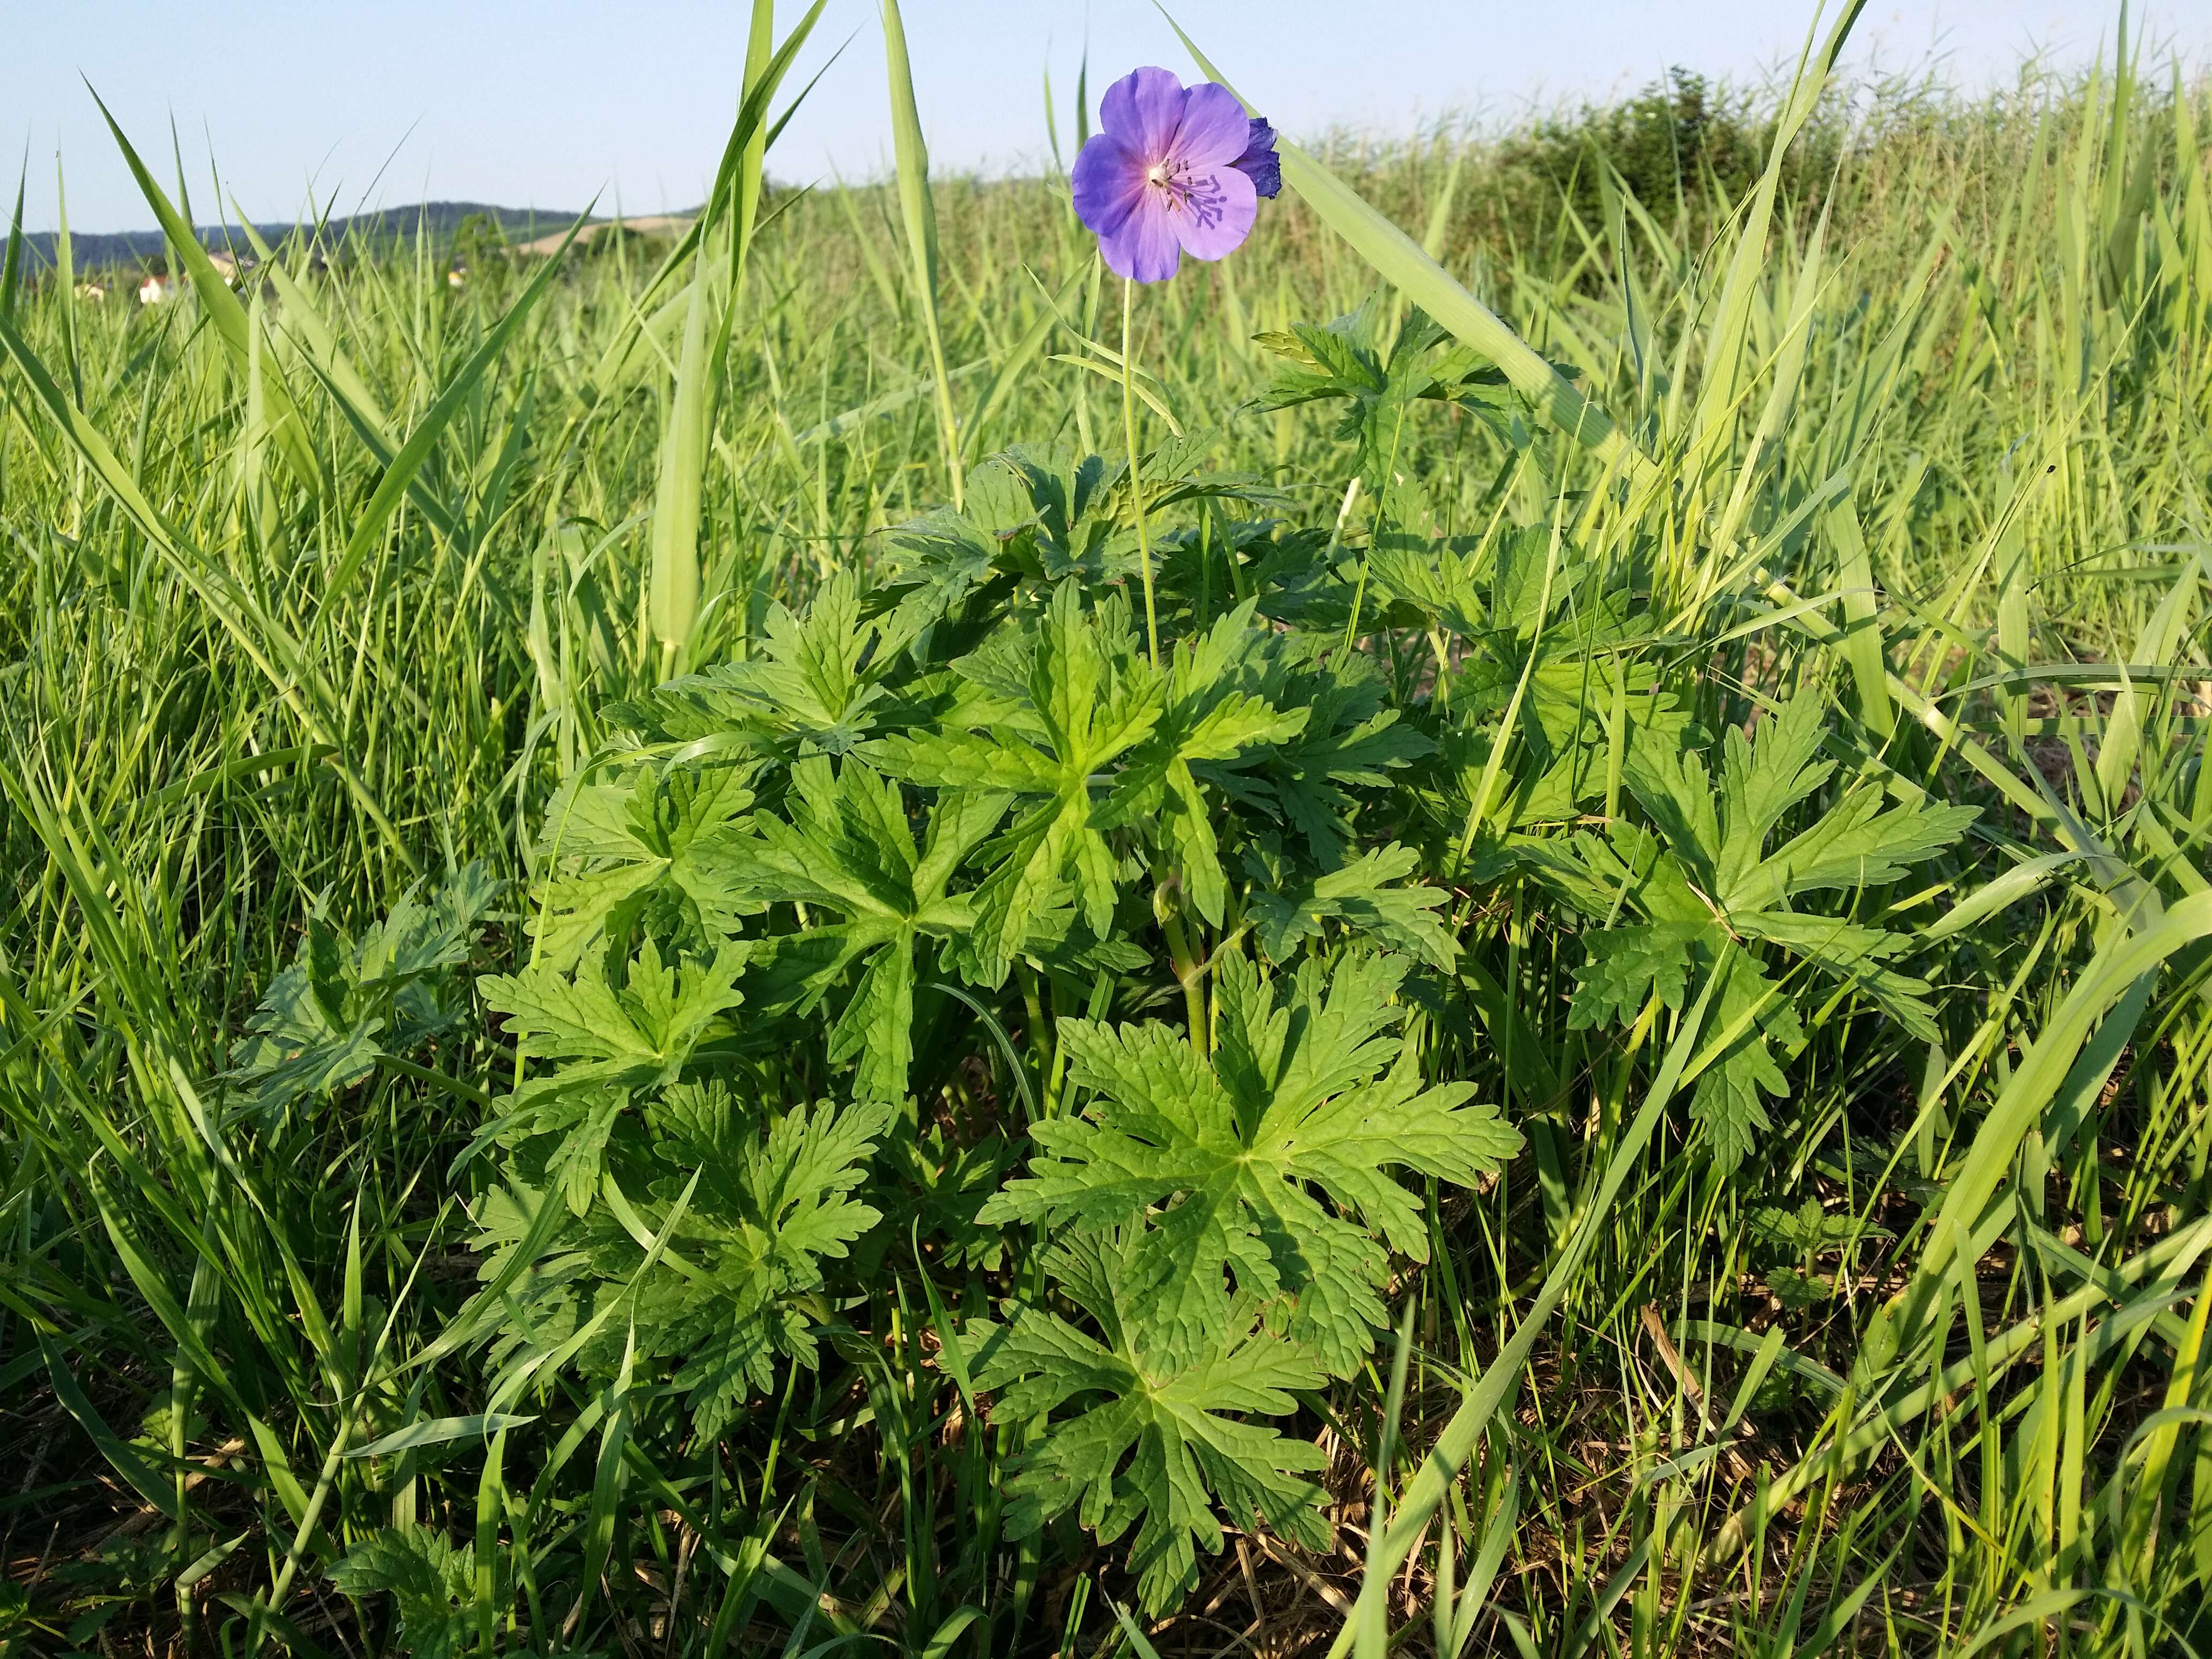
(1136, 483)
(1040, 1031)
(1189, 971)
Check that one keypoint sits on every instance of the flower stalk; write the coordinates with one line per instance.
(1136, 477)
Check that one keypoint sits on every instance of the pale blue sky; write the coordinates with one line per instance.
(546, 102)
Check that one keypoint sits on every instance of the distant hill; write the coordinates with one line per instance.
(441, 220)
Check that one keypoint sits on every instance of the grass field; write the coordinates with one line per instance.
(680, 973)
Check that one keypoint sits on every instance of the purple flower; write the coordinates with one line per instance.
(1162, 176)
(1260, 161)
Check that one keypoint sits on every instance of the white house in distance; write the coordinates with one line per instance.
(158, 287)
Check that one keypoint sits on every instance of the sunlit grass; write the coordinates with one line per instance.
(318, 589)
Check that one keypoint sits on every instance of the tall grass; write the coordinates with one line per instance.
(320, 590)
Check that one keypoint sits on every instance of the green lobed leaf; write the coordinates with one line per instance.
(1273, 1156)
(1141, 1438)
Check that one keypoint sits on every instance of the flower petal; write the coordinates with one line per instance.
(1214, 128)
(1143, 109)
(1146, 247)
(1260, 162)
(1229, 204)
(1107, 182)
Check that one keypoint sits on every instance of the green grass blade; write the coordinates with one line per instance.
(223, 308)
(270, 646)
(368, 524)
(1862, 641)
(439, 1431)
(2045, 1071)
(753, 114)
(918, 210)
(126, 1460)
(673, 590)
(1718, 396)
(11, 270)
(1007, 375)
(760, 51)
(1455, 1444)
